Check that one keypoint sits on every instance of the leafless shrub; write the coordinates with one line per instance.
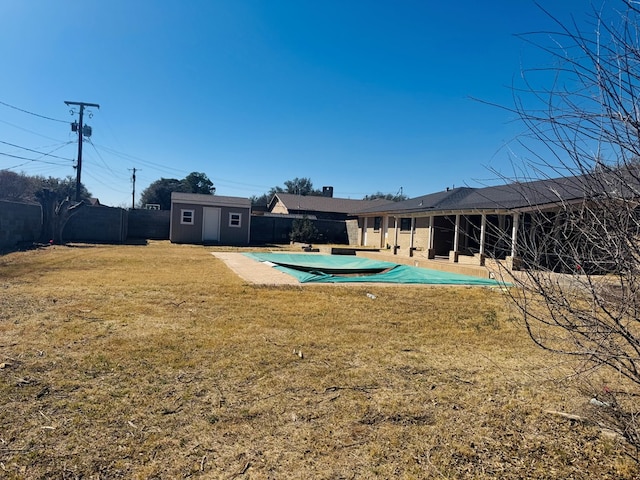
(579, 281)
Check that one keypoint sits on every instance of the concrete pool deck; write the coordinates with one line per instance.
(260, 273)
(254, 272)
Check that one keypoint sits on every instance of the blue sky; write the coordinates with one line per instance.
(364, 96)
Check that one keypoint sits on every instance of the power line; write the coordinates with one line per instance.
(109, 186)
(31, 113)
(102, 159)
(148, 163)
(173, 171)
(38, 160)
(14, 166)
(29, 159)
(36, 151)
(29, 131)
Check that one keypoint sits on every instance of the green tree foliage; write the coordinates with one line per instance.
(304, 186)
(26, 188)
(159, 192)
(297, 186)
(387, 196)
(261, 200)
(303, 230)
(198, 182)
(300, 186)
(62, 188)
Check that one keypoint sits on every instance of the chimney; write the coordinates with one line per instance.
(327, 192)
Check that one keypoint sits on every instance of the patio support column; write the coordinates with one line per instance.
(456, 238)
(385, 232)
(430, 252)
(483, 229)
(364, 231)
(514, 234)
(413, 223)
(395, 241)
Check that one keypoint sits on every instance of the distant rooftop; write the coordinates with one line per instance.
(314, 203)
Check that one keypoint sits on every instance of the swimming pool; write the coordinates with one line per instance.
(348, 269)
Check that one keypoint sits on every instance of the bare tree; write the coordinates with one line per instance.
(579, 281)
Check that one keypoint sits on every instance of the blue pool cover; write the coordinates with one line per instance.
(348, 269)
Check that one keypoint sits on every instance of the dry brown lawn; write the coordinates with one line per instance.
(157, 361)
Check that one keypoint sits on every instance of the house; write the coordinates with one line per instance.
(466, 225)
(321, 207)
(199, 218)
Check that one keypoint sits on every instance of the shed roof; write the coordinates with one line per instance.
(213, 200)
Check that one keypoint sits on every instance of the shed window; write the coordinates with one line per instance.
(405, 224)
(186, 217)
(377, 221)
(235, 220)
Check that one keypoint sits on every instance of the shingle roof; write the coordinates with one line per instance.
(525, 194)
(502, 197)
(437, 201)
(313, 203)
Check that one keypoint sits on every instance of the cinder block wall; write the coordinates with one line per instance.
(149, 224)
(19, 222)
(97, 224)
(273, 229)
(270, 229)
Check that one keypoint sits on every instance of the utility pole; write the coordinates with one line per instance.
(81, 131)
(133, 193)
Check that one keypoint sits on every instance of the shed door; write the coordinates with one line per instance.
(210, 224)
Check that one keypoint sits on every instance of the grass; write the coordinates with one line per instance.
(158, 362)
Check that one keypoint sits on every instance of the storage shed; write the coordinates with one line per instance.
(214, 219)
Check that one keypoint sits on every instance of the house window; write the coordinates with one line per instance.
(405, 224)
(235, 220)
(377, 221)
(186, 217)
